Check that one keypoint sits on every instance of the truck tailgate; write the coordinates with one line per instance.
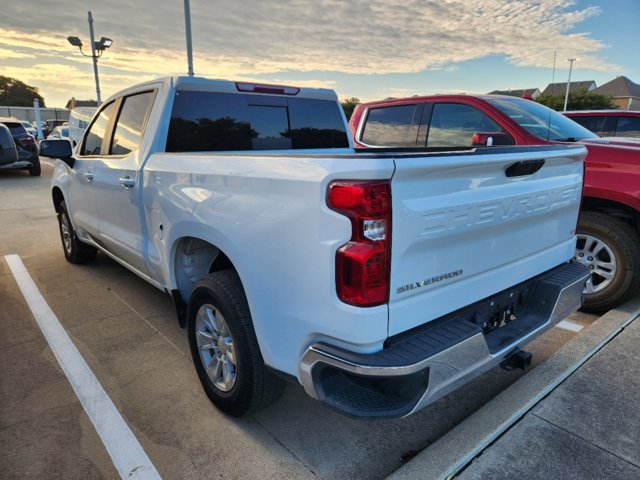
(466, 226)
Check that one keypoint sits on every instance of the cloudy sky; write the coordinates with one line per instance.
(368, 49)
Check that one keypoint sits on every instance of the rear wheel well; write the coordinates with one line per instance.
(194, 259)
(614, 209)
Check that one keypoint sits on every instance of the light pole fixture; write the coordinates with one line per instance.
(97, 49)
(566, 95)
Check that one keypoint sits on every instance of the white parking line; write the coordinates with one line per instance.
(127, 454)
(566, 325)
(48, 162)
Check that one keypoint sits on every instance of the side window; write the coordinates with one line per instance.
(128, 131)
(93, 140)
(389, 126)
(453, 125)
(591, 122)
(628, 127)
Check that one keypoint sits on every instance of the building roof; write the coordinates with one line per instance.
(560, 88)
(516, 93)
(619, 87)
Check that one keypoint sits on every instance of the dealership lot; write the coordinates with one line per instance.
(127, 333)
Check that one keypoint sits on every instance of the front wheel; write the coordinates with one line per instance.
(610, 248)
(74, 250)
(224, 347)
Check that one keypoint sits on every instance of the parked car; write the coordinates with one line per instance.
(31, 130)
(609, 228)
(59, 132)
(8, 150)
(43, 127)
(26, 145)
(51, 124)
(608, 123)
(79, 118)
(288, 254)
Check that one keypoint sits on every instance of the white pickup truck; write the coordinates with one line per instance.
(379, 281)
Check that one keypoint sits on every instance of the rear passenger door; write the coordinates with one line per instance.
(117, 181)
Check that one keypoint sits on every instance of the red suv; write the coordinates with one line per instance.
(608, 123)
(609, 226)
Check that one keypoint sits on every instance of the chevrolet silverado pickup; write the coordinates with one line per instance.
(608, 241)
(379, 281)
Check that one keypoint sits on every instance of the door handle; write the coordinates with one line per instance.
(127, 182)
(88, 176)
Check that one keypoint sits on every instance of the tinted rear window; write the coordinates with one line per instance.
(16, 128)
(593, 123)
(207, 121)
(628, 127)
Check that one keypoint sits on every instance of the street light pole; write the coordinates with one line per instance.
(566, 95)
(95, 57)
(97, 49)
(187, 25)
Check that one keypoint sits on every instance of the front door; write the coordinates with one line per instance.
(118, 186)
(80, 191)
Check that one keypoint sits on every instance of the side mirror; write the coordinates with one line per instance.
(491, 139)
(57, 149)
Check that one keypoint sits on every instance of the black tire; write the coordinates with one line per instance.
(254, 386)
(74, 250)
(623, 241)
(35, 169)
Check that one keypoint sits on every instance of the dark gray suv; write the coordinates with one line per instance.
(27, 148)
(8, 151)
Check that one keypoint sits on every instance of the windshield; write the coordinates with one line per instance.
(540, 121)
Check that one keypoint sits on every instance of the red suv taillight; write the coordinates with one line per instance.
(363, 264)
(27, 140)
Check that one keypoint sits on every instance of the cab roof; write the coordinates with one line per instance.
(227, 86)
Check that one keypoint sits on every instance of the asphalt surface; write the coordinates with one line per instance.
(126, 332)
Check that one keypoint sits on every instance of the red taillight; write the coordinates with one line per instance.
(26, 140)
(363, 264)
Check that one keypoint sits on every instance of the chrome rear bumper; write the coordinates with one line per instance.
(417, 369)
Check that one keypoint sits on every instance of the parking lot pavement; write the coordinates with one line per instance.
(126, 332)
(587, 428)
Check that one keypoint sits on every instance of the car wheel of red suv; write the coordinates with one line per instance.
(610, 248)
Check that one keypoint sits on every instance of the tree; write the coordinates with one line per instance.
(348, 105)
(14, 93)
(579, 100)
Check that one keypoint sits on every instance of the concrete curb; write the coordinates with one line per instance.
(449, 454)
